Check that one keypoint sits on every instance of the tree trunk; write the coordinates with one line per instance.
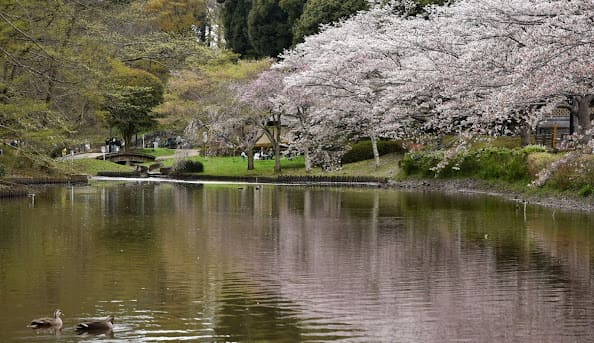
(525, 134)
(581, 107)
(127, 134)
(52, 70)
(307, 161)
(375, 151)
(250, 157)
(276, 144)
(127, 139)
(50, 83)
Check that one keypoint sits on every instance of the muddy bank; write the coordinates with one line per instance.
(471, 186)
(11, 190)
(12, 187)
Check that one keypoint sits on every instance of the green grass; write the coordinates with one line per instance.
(90, 166)
(388, 167)
(159, 152)
(215, 166)
(235, 166)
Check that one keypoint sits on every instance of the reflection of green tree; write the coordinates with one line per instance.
(249, 315)
(125, 215)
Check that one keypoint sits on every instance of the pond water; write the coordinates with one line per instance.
(265, 263)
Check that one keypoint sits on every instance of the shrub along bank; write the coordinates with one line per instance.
(502, 164)
(515, 166)
(575, 176)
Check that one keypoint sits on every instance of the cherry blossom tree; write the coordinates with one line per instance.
(237, 126)
(350, 77)
(206, 97)
(474, 67)
(502, 61)
(298, 102)
(263, 96)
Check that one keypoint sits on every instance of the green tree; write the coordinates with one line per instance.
(129, 100)
(191, 89)
(178, 16)
(56, 65)
(318, 12)
(293, 8)
(268, 28)
(49, 70)
(235, 17)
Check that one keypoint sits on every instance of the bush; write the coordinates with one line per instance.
(56, 150)
(530, 149)
(576, 175)
(362, 150)
(489, 163)
(420, 163)
(538, 161)
(188, 166)
(496, 163)
(2, 170)
(586, 191)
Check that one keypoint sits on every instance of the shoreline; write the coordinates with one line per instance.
(15, 187)
(473, 186)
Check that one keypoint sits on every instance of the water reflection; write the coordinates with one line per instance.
(245, 263)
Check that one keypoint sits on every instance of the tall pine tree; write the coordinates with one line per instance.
(235, 18)
(268, 28)
(317, 12)
(294, 9)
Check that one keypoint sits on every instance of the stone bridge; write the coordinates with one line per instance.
(127, 158)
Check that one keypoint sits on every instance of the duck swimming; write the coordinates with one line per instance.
(55, 322)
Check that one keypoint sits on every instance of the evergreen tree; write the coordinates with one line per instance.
(268, 28)
(235, 17)
(294, 10)
(317, 12)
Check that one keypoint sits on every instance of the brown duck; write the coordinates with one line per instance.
(96, 326)
(55, 322)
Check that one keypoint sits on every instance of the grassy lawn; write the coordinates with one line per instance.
(235, 166)
(159, 152)
(215, 166)
(388, 167)
(90, 166)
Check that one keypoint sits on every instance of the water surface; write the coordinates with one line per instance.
(253, 263)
